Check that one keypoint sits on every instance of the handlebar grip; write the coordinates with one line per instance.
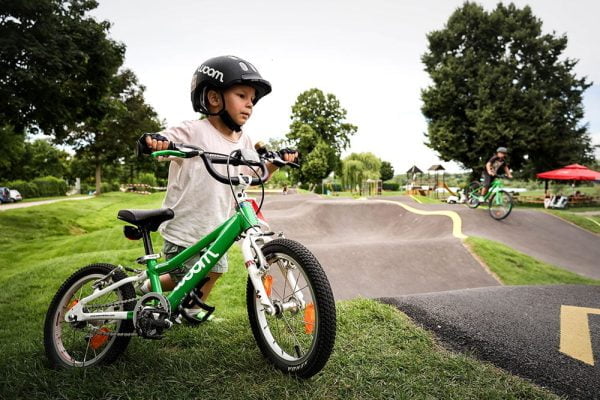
(209, 160)
(174, 153)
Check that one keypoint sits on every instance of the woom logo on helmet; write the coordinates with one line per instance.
(213, 73)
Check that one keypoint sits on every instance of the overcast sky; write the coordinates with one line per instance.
(365, 52)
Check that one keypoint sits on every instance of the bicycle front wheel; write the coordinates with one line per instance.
(87, 343)
(500, 205)
(473, 192)
(299, 339)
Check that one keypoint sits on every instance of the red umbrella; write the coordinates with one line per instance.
(573, 172)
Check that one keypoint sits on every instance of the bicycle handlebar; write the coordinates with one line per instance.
(240, 157)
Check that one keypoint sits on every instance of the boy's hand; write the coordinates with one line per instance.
(288, 155)
(157, 142)
(150, 142)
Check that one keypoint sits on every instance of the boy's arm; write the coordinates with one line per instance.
(489, 169)
(507, 171)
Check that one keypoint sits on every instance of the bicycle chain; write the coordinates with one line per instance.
(96, 330)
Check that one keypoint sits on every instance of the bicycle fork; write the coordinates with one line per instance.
(252, 253)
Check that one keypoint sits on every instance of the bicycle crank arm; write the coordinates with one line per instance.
(72, 316)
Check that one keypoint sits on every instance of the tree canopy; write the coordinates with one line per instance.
(499, 81)
(56, 63)
(358, 167)
(386, 171)
(125, 117)
(320, 132)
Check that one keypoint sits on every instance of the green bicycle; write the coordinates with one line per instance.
(500, 202)
(290, 304)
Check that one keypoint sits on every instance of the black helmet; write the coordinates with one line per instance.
(502, 150)
(221, 73)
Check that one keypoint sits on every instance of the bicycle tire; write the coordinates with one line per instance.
(472, 191)
(54, 346)
(508, 196)
(324, 321)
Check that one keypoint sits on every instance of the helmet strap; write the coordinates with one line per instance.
(226, 118)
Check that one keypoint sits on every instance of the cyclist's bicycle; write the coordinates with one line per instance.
(290, 304)
(500, 202)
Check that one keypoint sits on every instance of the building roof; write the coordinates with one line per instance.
(436, 167)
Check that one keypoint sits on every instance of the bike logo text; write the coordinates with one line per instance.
(199, 266)
(213, 73)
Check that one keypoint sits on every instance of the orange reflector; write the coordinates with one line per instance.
(72, 304)
(268, 282)
(98, 340)
(309, 319)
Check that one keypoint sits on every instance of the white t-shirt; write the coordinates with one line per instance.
(200, 202)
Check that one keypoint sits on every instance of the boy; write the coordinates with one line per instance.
(225, 89)
(492, 167)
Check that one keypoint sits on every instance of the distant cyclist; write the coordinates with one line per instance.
(495, 164)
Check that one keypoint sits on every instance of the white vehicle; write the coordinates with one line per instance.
(459, 199)
(15, 195)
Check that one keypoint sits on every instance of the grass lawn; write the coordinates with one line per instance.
(379, 352)
(589, 222)
(426, 199)
(516, 268)
(564, 189)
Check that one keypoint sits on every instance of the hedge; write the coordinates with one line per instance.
(393, 186)
(39, 187)
(27, 189)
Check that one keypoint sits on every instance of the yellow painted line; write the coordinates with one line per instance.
(456, 221)
(575, 338)
(415, 199)
(593, 220)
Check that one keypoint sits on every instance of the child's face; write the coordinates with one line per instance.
(238, 102)
(501, 155)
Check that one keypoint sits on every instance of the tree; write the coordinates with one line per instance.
(56, 64)
(111, 138)
(14, 142)
(358, 167)
(33, 160)
(386, 171)
(319, 132)
(352, 174)
(498, 81)
(41, 158)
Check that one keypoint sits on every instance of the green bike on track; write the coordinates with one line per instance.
(290, 304)
(500, 202)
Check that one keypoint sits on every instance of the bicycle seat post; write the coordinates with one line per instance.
(147, 241)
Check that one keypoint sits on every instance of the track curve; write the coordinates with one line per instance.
(376, 250)
(533, 232)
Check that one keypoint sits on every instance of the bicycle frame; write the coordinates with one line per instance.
(243, 223)
(494, 188)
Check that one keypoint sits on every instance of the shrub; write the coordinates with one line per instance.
(50, 186)
(106, 187)
(146, 178)
(393, 186)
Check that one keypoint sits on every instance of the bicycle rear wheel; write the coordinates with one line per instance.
(473, 192)
(87, 343)
(300, 339)
(500, 205)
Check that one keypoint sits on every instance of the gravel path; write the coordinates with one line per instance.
(12, 206)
